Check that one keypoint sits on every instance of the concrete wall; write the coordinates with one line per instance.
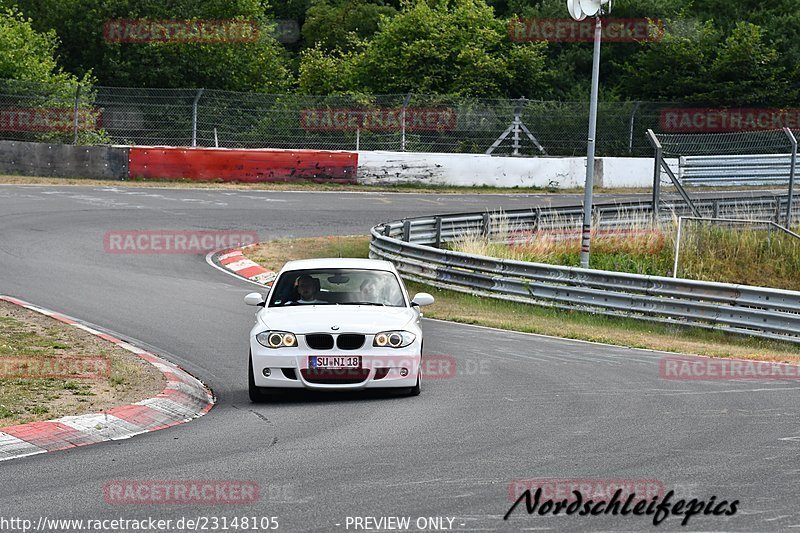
(121, 162)
(245, 166)
(63, 160)
(477, 169)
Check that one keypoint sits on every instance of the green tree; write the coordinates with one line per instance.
(325, 72)
(746, 70)
(28, 55)
(673, 69)
(258, 65)
(447, 47)
(695, 63)
(455, 47)
(343, 25)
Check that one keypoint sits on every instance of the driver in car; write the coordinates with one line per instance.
(307, 290)
(370, 292)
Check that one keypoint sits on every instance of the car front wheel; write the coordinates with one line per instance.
(416, 389)
(257, 394)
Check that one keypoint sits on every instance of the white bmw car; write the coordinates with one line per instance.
(336, 324)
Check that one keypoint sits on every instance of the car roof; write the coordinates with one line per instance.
(339, 262)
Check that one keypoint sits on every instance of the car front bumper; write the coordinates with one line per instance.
(380, 367)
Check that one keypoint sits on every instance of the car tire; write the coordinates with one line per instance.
(257, 394)
(415, 390)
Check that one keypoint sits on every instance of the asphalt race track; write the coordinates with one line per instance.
(521, 407)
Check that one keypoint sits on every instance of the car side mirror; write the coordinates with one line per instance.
(422, 298)
(255, 298)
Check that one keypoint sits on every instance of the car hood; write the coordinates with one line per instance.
(365, 319)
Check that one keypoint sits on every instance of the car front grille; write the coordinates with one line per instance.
(319, 341)
(350, 341)
(345, 341)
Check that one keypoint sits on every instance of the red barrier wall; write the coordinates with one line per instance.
(251, 166)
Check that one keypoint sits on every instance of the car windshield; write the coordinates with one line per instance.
(337, 286)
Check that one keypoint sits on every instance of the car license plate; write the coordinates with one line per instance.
(315, 361)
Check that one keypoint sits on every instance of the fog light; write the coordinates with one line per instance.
(404, 372)
(266, 372)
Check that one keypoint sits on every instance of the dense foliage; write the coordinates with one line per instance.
(714, 52)
(27, 55)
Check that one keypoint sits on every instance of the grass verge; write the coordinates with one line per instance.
(49, 369)
(708, 251)
(465, 308)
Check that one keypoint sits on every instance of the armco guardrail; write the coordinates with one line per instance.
(735, 170)
(413, 245)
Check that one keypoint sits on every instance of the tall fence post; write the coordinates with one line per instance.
(194, 116)
(403, 123)
(630, 127)
(75, 117)
(792, 169)
(517, 121)
(656, 172)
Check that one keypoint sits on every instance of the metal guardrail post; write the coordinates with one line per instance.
(407, 230)
(438, 229)
(792, 170)
(487, 223)
(677, 248)
(194, 116)
(386, 230)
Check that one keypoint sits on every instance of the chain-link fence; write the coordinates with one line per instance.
(413, 122)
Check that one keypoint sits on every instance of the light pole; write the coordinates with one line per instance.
(579, 10)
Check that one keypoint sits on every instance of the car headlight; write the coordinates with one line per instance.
(276, 339)
(393, 339)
